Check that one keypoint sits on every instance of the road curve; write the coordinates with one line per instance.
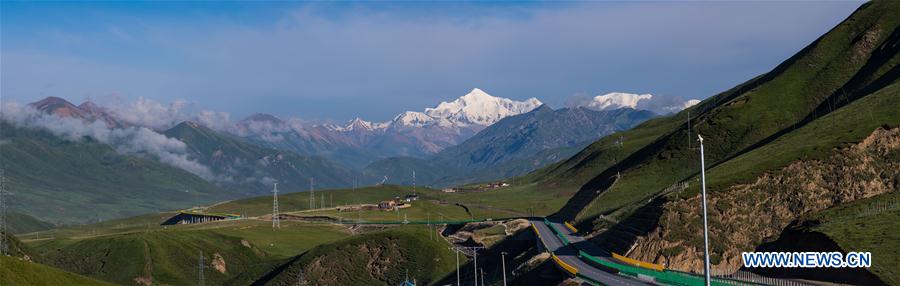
(569, 255)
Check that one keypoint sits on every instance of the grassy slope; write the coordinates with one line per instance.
(844, 126)
(22, 223)
(379, 258)
(18, 272)
(867, 225)
(737, 120)
(427, 206)
(53, 179)
(166, 253)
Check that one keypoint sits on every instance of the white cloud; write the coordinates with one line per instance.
(616, 100)
(148, 113)
(132, 140)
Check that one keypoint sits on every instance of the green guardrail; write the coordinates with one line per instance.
(557, 232)
(665, 277)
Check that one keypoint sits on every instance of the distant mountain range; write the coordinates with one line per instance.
(513, 146)
(411, 133)
(475, 137)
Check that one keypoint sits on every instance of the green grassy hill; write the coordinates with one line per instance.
(850, 226)
(22, 223)
(65, 182)
(781, 145)
(381, 258)
(432, 204)
(854, 59)
(14, 271)
(235, 252)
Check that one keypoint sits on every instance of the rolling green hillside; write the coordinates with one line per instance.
(21, 223)
(235, 252)
(252, 169)
(432, 204)
(18, 272)
(849, 62)
(791, 142)
(381, 258)
(65, 182)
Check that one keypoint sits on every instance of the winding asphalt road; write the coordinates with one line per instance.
(569, 255)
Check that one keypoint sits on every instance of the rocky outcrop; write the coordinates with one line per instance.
(218, 263)
(744, 216)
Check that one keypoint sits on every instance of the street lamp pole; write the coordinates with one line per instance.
(705, 225)
(503, 262)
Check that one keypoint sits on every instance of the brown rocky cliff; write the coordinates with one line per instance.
(744, 216)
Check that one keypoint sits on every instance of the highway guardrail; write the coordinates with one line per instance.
(571, 270)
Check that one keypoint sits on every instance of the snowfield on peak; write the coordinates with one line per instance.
(479, 108)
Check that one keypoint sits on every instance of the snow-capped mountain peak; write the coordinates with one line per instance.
(480, 108)
(359, 124)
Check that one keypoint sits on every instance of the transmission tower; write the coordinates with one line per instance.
(312, 194)
(414, 182)
(200, 266)
(276, 222)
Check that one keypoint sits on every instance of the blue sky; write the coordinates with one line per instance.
(339, 60)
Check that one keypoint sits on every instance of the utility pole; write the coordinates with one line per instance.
(705, 226)
(276, 222)
(474, 250)
(200, 266)
(503, 262)
(482, 276)
(475, 255)
(457, 265)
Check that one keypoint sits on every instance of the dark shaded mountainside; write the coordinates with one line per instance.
(839, 90)
(513, 146)
(251, 169)
(54, 179)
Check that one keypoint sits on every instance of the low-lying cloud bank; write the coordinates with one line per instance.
(615, 100)
(130, 140)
